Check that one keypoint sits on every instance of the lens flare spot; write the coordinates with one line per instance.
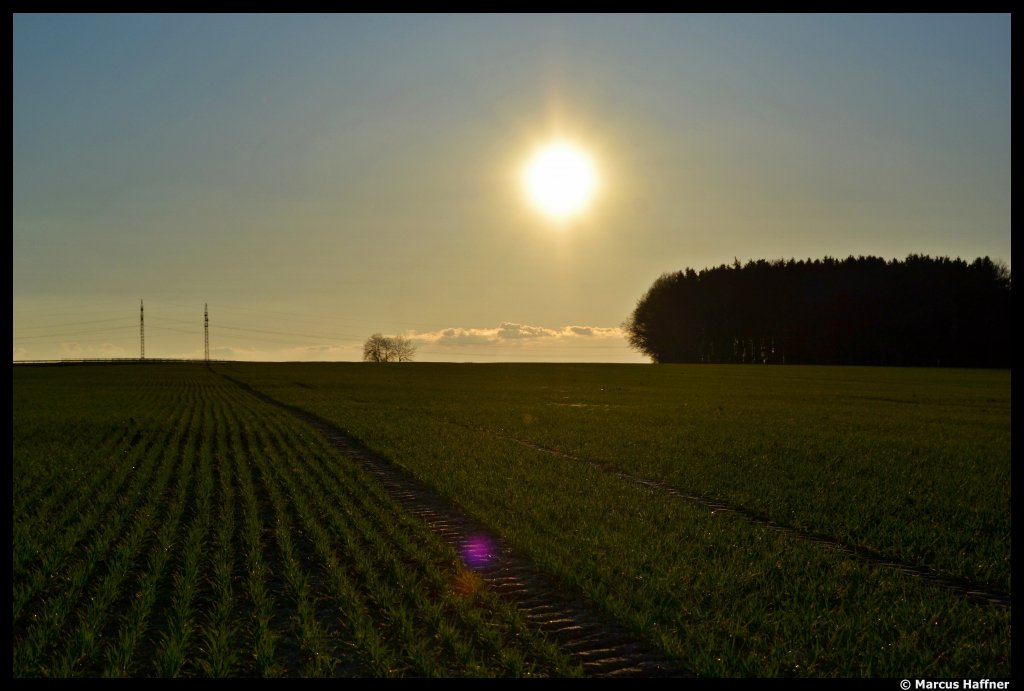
(467, 583)
(477, 551)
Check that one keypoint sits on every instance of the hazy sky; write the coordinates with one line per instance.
(318, 178)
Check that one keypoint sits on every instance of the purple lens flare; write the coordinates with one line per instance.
(477, 551)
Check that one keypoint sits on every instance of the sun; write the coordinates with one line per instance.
(560, 180)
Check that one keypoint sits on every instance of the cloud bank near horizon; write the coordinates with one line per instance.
(512, 341)
(511, 332)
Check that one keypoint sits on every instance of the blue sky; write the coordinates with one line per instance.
(318, 178)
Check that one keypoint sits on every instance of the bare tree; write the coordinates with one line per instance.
(375, 349)
(379, 348)
(402, 349)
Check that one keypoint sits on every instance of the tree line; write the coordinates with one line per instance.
(857, 311)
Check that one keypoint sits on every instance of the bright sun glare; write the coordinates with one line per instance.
(560, 180)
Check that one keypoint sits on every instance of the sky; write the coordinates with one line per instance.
(313, 179)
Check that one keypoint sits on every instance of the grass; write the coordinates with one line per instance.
(169, 524)
(911, 464)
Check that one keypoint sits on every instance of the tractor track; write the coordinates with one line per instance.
(602, 646)
(959, 586)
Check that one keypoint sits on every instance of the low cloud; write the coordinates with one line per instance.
(513, 342)
(510, 332)
(458, 336)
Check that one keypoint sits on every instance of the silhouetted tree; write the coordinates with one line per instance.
(379, 348)
(375, 348)
(861, 310)
(402, 349)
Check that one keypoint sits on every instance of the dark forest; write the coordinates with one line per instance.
(921, 311)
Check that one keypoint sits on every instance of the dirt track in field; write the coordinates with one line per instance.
(962, 587)
(602, 646)
(976, 592)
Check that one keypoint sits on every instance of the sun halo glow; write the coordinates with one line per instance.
(560, 180)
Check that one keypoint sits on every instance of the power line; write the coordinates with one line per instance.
(59, 326)
(60, 334)
(282, 333)
(94, 339)
(161, 320)
(171, 328)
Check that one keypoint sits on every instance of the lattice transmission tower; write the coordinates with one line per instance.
(142, 333)
(206, 330)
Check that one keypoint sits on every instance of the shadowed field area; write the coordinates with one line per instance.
(169, 522)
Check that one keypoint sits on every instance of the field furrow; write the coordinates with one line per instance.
(980, 592)
(597, 643)
(708, 587)
(128, 636)
(297, 520)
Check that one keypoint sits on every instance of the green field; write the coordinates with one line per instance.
(166, 521)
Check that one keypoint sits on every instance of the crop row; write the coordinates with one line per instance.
(912, 464)
(167, 523)
(726, 596)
